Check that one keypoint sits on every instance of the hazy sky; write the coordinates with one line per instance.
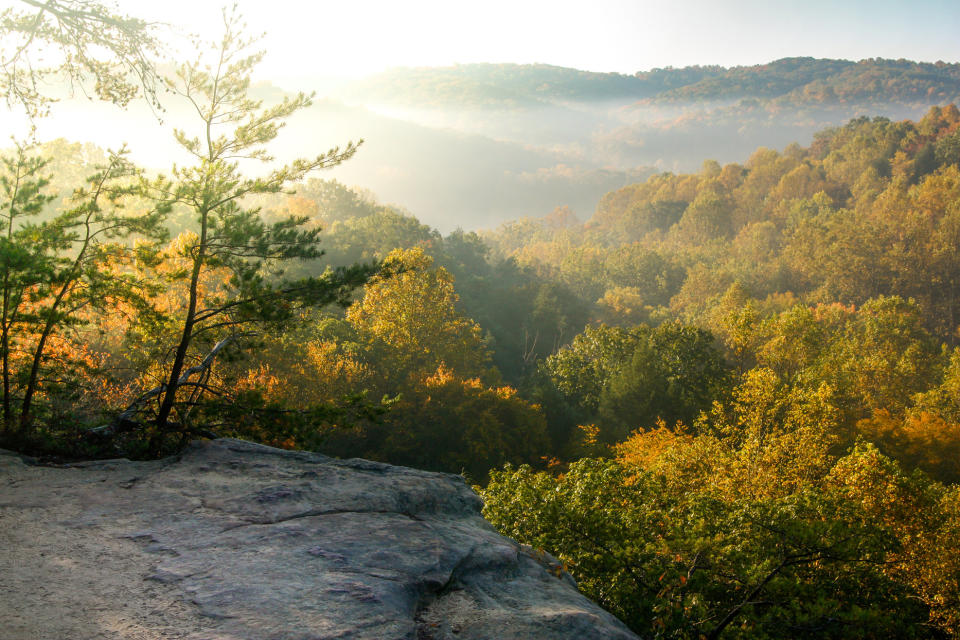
(350, 37)
(307, 39)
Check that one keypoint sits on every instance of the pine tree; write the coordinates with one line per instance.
(230, 237)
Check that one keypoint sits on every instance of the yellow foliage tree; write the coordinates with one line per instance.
(408, 315)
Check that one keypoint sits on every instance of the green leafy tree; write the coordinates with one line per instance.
(373, 236)
(92, 245)
(24, 263)
(692, 564)
(882, 357)
(923, 515)
(672, 376)
(582, 369)
(58, 272)
(752, 528)
(628, 379)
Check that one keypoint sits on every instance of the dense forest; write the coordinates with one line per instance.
(729, 402)
(733, 394)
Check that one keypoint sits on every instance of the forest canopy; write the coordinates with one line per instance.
(729, 402)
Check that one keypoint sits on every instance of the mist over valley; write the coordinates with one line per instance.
(472, 146)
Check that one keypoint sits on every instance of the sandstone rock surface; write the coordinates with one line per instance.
(233, 540)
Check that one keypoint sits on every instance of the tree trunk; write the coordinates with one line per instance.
(34, 375)
(5, 350)
(186, 337)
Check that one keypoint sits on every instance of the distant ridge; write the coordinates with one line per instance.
(797, 80)
(826, 81)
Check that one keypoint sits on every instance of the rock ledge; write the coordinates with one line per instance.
(233, 540)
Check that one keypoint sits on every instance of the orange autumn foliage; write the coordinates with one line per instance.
(922, 440)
